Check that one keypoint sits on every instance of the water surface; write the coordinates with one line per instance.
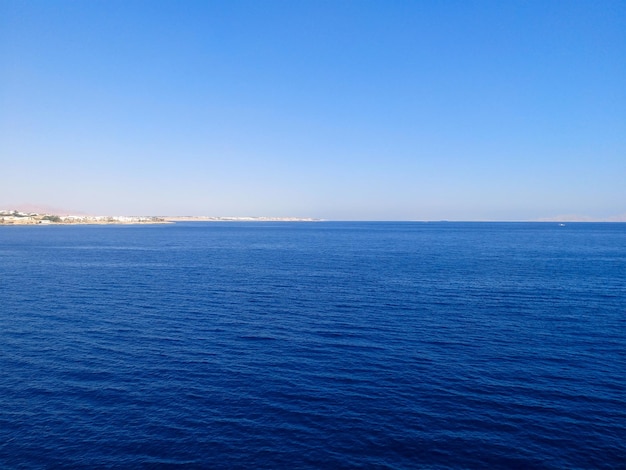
(308, 345)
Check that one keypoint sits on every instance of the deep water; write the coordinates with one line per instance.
(313, 345)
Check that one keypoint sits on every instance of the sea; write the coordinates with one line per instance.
(305, 345)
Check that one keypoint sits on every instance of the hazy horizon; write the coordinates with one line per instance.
(332, 110)
(43, 209)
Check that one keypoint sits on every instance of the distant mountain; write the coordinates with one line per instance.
(39, 209)
(617, 218)
(583, 218)
(568, 218)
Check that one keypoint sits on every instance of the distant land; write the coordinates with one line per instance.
(191, 218)
(45, 214)
(40, 209)
(583, 218)
(17, 217)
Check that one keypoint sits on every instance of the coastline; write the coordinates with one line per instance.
(19, 218)
(185, 218)
(14, 217)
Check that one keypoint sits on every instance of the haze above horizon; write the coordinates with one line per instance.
(368, 110)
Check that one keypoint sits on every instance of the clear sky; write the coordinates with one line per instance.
(368, 110)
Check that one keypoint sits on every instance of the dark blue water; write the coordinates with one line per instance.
(313, 345)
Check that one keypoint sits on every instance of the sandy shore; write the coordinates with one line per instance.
(46, 219)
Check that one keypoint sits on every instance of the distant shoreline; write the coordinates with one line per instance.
(191, 218)
(14, 217)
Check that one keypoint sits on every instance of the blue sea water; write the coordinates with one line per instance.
(313, 345)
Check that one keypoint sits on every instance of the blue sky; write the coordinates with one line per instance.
(346, 110)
